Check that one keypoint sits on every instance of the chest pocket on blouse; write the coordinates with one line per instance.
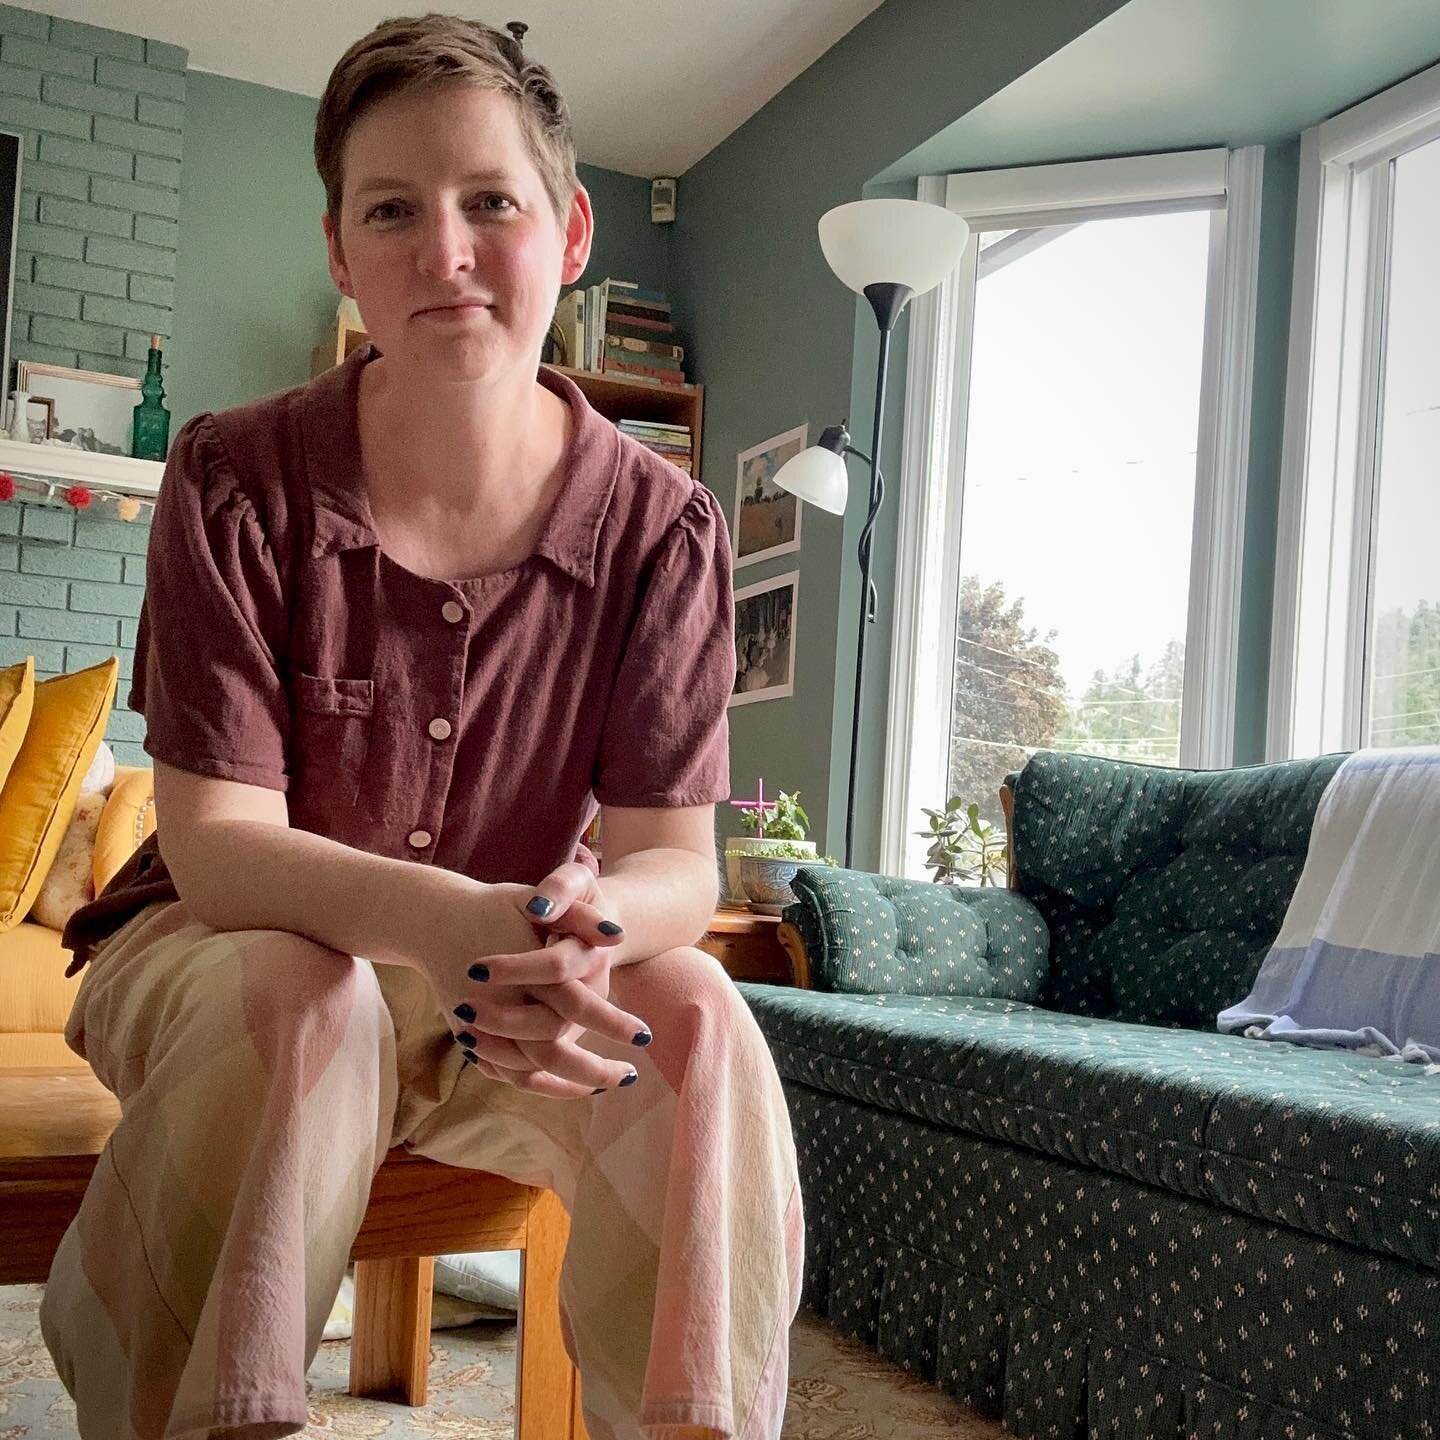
(330, 733)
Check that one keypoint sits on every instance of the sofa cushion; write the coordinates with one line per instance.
(880, 934)
(35, 993)
(1337, 1144)
(128, 820)
(1163, 889)
(39, 795)
(17, 700)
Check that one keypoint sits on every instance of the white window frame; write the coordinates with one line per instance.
(1329, 461)
(928, 543)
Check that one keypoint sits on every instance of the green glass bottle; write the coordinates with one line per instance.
(150, 436)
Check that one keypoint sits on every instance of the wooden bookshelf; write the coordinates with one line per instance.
(627, 398)
(613, 396)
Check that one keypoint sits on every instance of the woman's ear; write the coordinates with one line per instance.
(335, 256)
(579, 233)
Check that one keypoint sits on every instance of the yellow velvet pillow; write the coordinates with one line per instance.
(127, 821)
(67, 724)
(17, 700)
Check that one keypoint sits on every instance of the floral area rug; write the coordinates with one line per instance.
(839, 1390)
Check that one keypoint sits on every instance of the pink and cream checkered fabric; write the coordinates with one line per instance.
(263, 1077)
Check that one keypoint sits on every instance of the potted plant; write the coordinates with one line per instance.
(766, 872)
(785, 820)
(964, 849)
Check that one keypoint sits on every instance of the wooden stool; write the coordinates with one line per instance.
(53, 1125)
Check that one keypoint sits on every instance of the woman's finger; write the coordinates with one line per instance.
(579, 1066)
(579, 1004)
(560, 891)
(586, 922)
(496, 1050)
(538, 1082)
(523, 1015)
(557, 963)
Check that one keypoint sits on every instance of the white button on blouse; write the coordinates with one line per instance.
(419, 839)
(453, 611)
(439, 729)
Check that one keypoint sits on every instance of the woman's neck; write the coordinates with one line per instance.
(458, 449)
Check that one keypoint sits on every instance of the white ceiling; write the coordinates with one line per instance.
(653, 85)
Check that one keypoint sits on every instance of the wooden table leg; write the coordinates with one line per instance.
(390, 1347)
(547, 1387)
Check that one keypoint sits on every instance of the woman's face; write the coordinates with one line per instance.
(447, 240)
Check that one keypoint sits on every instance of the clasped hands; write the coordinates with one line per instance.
(544, 980)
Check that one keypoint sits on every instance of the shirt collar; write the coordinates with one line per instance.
(342, 515)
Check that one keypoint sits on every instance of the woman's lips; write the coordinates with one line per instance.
(463, 307)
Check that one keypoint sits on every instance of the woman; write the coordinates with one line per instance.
(404, 627)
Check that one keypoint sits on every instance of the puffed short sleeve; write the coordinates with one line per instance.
(209, 652)
(666, 738)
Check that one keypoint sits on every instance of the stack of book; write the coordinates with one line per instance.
(619, 328)
(671, 441)
(639, 338)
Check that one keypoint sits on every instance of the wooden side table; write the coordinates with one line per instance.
(758, 947)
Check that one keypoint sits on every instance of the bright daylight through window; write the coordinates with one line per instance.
(1402, 689)
(1079, 490)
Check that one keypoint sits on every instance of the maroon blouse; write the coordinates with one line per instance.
(473, 724)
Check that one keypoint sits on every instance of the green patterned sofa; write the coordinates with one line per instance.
(1034, 1172)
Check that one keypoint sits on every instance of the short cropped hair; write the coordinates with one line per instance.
(409, 52)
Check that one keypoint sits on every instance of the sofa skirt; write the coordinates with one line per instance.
(1071, 1303)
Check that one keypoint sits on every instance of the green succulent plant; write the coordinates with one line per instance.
(963, 847)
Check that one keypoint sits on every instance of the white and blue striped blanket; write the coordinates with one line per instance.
(1357, 962)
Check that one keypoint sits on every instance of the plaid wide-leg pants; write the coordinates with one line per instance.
(262, 1077)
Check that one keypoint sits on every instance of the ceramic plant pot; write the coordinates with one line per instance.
(736, 895)
(766, 882)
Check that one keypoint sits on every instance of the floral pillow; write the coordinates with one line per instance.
(70, 883)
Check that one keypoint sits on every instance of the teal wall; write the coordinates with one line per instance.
(777, 340)
(253, 294)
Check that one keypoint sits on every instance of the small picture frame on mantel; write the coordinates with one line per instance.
(90, 410)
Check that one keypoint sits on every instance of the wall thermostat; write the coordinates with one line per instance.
(662, 199)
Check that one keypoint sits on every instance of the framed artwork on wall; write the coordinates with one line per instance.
(767, 518)
(765, 615)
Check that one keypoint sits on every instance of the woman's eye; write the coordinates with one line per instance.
(385, 210)
(496, 204)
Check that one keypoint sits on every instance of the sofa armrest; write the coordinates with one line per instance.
(880, 934)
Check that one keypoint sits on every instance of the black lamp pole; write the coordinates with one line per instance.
(887, 301)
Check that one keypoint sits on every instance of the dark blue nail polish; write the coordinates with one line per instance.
(540, 906)
(464, 1012)
(465, 1039)
(609, 927)
(642, 1037)
(630, 1079)
(598, 1090)
(479, 972)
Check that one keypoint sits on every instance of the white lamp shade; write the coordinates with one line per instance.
(817, 476)
(895, 242)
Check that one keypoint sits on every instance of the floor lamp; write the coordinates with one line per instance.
(889, 251)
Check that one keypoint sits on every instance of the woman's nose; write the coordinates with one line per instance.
(446, 245)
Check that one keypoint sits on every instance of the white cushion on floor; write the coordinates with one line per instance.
(449, 1309)
(491, 1277)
